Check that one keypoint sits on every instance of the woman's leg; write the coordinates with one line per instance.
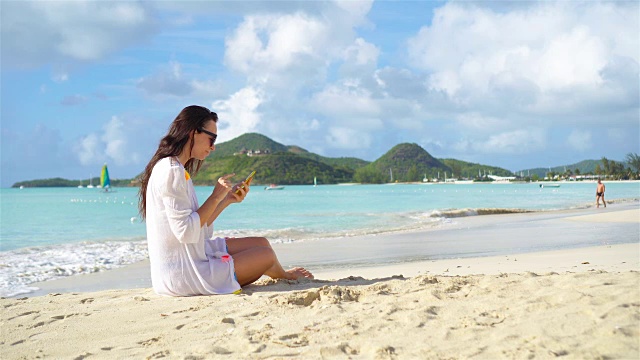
(254, 257)
(236, 245)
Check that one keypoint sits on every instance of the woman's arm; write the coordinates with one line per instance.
(219, 194)
(237, 194)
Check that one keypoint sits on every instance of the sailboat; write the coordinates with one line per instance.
(315, 181)
(105, 182)
(90, 186)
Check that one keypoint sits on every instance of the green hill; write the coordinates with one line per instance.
(405, 162)
(288, 165)
(281, 168)
(582, 167)
(463, 169)
(245, 142)
(256, 142)
(345, 162)
(60, 182)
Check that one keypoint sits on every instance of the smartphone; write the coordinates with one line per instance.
(247, 181)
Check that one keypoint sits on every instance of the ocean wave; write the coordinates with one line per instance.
(455, 213)
(22, 267)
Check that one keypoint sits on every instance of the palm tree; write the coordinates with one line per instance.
(607, 166)
(633, 160)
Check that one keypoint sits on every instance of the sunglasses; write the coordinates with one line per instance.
(213, 137)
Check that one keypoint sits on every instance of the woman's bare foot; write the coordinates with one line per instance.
(298, 272)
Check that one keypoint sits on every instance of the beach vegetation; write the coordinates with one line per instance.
(407, 162)
(60, 182)
(634, 161)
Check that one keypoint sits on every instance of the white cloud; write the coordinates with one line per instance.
(509, 142)
(471, 52)
(580, 140)
(362, 52)
(38, 32)
(118, 143)
(357, 10)
(295, 49)
(274, 44)
(480, 124)
(517, 141)
(347, 138)
(166, 81)
(347, 103)
(239, 114)
(60, 77)
(90, 150)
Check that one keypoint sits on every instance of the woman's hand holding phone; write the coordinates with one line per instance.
(243, 188)
(245, 183)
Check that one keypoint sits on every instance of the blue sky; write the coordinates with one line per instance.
(510, 84)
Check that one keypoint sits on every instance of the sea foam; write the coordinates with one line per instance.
(22, 267)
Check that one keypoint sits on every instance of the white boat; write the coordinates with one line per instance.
(315, 181)
(549, 185)
(274, 187)
(90, 186)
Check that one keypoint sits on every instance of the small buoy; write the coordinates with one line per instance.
(134, 219)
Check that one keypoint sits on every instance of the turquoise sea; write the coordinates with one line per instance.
(52, 232)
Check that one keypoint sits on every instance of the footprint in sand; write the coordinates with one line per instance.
(149, 341)
(24, 314)
(489, 319)
(292, 340)
(86, 301)
(338, 351)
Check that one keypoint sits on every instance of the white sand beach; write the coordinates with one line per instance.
(576, 303)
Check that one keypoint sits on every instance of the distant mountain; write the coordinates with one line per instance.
(463, 169)
(584, 167)
(281, 167)
(282, 164)
(60, 182)
(258, 142)
(250, 141)
(404, 162)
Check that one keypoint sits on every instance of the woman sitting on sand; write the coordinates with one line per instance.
(185, 258)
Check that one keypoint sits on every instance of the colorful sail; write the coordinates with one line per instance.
(104, 177)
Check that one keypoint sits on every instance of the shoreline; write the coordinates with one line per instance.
(470, 241)
(581, 301)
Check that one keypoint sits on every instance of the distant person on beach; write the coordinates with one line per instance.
(186, 259)
(600, 194)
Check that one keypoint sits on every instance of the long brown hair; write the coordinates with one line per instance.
(190, 118)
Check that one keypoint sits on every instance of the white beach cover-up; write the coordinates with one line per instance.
(184, 259)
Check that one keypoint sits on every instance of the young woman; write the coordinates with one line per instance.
(185, 257)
